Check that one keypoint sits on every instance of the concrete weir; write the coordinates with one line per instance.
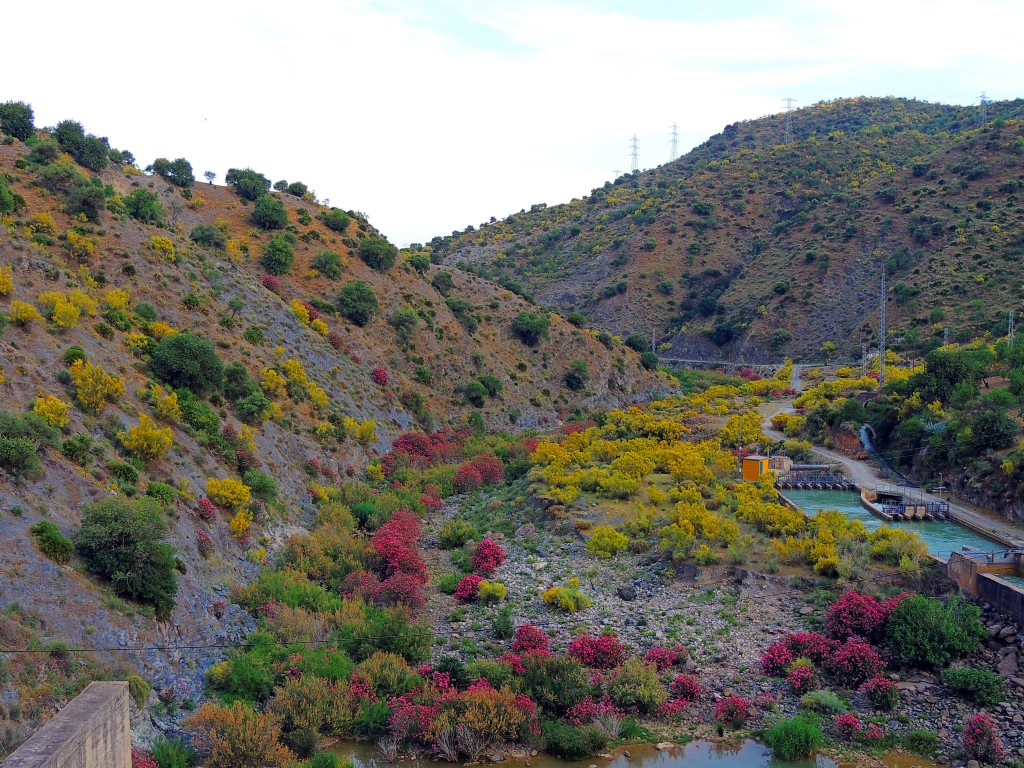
(90, 732)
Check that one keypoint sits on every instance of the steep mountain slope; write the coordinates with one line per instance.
(749, 247)
(108, 264)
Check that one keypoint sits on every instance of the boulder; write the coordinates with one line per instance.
(626, 592)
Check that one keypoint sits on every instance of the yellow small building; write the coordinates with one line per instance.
(754, 467)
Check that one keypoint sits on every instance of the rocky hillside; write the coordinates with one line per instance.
(753, 247)
(161, 332)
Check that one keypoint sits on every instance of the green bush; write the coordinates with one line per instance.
(328, 264)
(924, 631)
(277, 255)
(443, 282)
(269, 213)
(18, 456)
(162, 492)
(502, 624)
(577, 376)
(17, 119)
(921, 741)
(178, 172)
(492, 384)
(978, 685)
(636, 687)
(556, 683)
(90, 151)
(570, 742)
(357, 302)
(122, 541)
(464, 312)
(237, 382)
(54, 544)
(187, 361)
(254, 408)
(447, 582)
(455, 533)
(577, 318)
(144, 206)
(793, 738)
(826, 702)
(262, 485)
(173, 753)
(78, 448)
(334, 219)
(30, 426)
(476, 393)
(420, 262)
(531, 327)
(247, 182)
(378, 253)
(138, 689)
(208, 235)
(404, 321)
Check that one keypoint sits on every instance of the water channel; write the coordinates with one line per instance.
(696, 754)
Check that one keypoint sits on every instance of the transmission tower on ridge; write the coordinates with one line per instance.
(1010, 327)
(983, 102)
(881, 335)
(787, 121)
(633, 157)
(675, 141)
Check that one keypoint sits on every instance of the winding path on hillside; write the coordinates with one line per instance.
(865, 475)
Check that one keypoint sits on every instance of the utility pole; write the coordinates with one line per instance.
(675, 142)
(633, 157)
(945, 336)
(1009, 328)
(881, 335)
(787, 121)
(983, 104)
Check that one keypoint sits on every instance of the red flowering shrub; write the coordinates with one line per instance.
(882, 693)
(663, 658)
(848, 726)
(431, 501)
(604, 652)
(513, 662)
(810, 645)
(854, 663)
(602, 713)
(205, 543)
(732, 711)
(246, 460)
(491, 470)
(379, 376)
(858, 614)
(487, 556)
(673, 709)
(271, 283)
(409, 721)
(142, 759)
(334, 339)
(467, 479)
(981, 742)
(466, 591)
(685, 688)
(206, 508)
(400, 572)
(314, 313)
(872, 733)
(776, 658)
(529, 639)
(802, 679)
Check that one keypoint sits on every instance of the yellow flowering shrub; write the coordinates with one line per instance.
(52, 410)
(158, 329)
(138, 341)
(23, 314)
(165, 404)
(82, 247)
(228, 493)
(607, 542)
(300, 311)
(294, 372)
(247, 437)
(84, 302)
(319, 326)
(317, 396)
(116, 299)
(569, 598)
(61, 312)
(273, 383)
(6, 280)
(147, 440)
(94, 386)
(163, 246)
(240, 523)
(42, 223)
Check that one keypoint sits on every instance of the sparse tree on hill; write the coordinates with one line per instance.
(210, 176)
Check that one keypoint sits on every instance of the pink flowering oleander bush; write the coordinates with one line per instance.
(685, 688)
(204, 543)
(732, 711)
(854, 663)
(847, 726)
(468, 588)
(882, 693)
(141, 759)
(585, 712)
(602, 652)
(271, 283)
(981, 742)
(673, 709)
(512, 661)
(802, 678)
(206, 509)
(811, 645)
(665, 658)
(872, 733)
(856, 613)
(467, 479)
(487, 557)
(775, 659)
(379, 377)
(529, 639)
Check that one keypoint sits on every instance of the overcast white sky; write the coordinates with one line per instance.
(429, 115)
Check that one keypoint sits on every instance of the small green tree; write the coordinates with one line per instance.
(420, 262)
(334, 219)
(378, 253)
(443, 282)
(328, 264)
(144, 206)
(297, 188)
(404, 321)
(188, 361)
(269, 213)
(577, 376)
(531, 327)
(17, 119)
(357, 302)
(209, 176)
(122, 541)
(277, 255)
(208, 235)
(926, 632)
(476, 393)
(178, 172)
(247, 182)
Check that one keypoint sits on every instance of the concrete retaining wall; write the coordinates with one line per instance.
(90, 732)
(976, 575)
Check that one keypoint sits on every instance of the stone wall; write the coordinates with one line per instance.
(970, 575)
(90, 732)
